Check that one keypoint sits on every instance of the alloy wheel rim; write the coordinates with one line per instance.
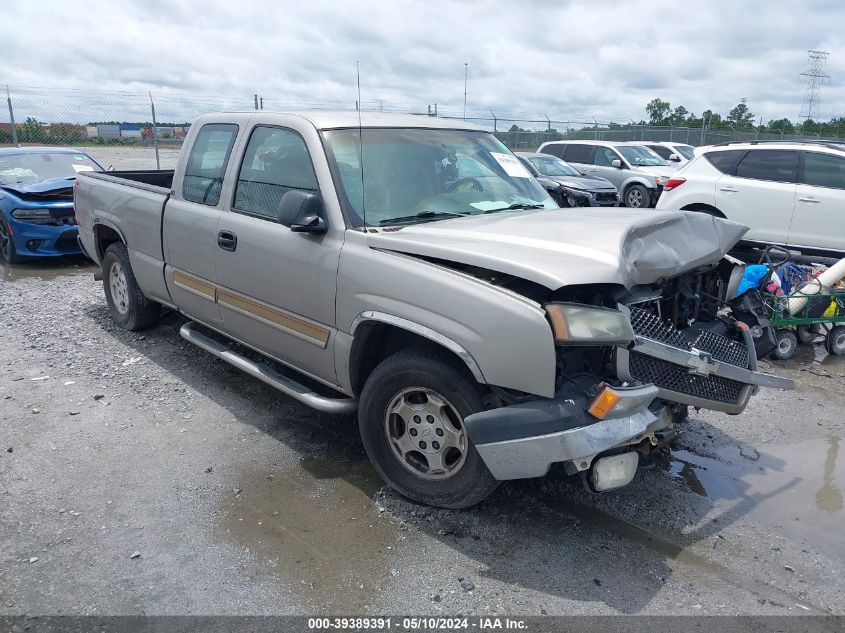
(119, 292)
(635, 197)
(426, 433)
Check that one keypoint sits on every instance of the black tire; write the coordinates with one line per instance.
(430, 369)
(637, 197)
(835, 342)
(7, 245)
(787, 344)
(807, 333)
(132, 310)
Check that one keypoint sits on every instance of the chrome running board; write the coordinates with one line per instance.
(267, 374)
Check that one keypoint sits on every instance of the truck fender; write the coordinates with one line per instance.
(637, 180)
(425, 332)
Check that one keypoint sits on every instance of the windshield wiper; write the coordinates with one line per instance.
(424, 215)
(515, 206)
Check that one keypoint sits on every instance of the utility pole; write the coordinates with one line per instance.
(466, 72)
(12, 117)
(816, 78)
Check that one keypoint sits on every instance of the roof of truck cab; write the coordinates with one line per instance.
(335, 119)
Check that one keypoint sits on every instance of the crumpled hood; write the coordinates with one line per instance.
(557, 247)
(48, 189)
(584, 183)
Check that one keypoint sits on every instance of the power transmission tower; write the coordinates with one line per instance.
(816, 78)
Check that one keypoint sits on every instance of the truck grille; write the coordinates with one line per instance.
(676, 378)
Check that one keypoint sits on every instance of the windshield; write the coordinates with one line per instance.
(685, 150)
(40, 166)
(551, 166)
(419, 175)
(640, 156)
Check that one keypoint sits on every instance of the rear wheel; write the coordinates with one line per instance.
(637, 197)
(7, 245)
(128, 306)
(835, 342)
(787, 344)
(411, 421)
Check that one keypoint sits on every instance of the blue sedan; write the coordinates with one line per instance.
(36, 201)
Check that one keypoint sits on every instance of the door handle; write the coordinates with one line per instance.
(809, 199)
(227, 240)
(729, 189)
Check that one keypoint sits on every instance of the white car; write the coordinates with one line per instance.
(788, 193)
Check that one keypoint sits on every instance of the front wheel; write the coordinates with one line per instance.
(7, 245)
(128, 305)
(411, 419)
(787, 344)
(637, 197)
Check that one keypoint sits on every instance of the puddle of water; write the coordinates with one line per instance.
(797, 489)
(316, 528)
(45, 269)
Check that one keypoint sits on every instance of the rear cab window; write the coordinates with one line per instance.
(775, 165)
(207, 162)
(823, 170)
(578, 153)
(276, 161)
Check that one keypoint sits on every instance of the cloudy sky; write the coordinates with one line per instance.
(567, 59)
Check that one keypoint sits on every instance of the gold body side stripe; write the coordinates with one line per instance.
(194, 284)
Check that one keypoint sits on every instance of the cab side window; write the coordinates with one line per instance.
(661, 150)
(276, 161)
(605, 156)
(824, 170)
(207, 162)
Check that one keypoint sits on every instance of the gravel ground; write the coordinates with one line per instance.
(138, 475)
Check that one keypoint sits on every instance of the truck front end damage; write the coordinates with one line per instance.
(625, 375)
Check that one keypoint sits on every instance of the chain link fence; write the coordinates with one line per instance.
(131, 130)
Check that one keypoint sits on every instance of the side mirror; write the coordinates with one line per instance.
(675, 158)
(302, 211)
(616, 163)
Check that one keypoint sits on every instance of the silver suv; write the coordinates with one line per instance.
(638, 173)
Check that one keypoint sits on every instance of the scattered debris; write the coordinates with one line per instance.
(135, 555)
(40, 378)
(436, 598)
(35, 410)
(34, 559)
(69, 382)
(466, 585)
(209, 469)
(597, 582)
(789, 568)
(749, 452)
(130, 361)
(73, 412)
(237, 491)
(10, 449)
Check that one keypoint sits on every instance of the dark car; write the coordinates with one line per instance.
(568, 186)
(36, 201)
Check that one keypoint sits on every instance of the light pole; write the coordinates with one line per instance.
(466, 71)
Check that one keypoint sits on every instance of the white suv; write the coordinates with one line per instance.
(788, 193)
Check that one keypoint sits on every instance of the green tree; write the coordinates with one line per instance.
(658, 111)
(782, 125)
(66, 134)
(31, 132)
(741, 117)
(679, 116)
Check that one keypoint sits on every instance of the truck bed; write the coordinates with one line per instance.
(132, 204)
(158, 178)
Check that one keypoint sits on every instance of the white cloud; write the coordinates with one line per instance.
(569, 60)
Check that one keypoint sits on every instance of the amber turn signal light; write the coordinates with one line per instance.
(603, 403)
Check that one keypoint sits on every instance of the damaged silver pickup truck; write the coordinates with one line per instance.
(410, 268)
